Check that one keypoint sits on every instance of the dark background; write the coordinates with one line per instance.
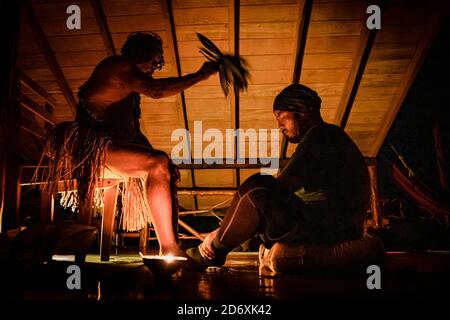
(428, 101)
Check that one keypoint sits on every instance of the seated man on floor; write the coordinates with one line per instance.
(320, 197)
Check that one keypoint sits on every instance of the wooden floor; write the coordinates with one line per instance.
(405, 275)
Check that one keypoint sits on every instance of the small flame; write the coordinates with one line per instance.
(168, 258)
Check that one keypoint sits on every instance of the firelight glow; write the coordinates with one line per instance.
(168, 258)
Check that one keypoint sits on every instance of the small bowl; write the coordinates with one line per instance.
(163, 266)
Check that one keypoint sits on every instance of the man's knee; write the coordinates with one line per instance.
(258, 181)
(158, 166)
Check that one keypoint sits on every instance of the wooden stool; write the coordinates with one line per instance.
(110, 187)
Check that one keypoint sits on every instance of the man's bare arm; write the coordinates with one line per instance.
(159, 88)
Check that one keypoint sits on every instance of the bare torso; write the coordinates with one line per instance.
(106, 85)
(112, 90)
(111, 99)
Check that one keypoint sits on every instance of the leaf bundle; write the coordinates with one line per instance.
(233, 70)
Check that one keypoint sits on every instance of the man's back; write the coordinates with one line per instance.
(107, 84)
(329, 166)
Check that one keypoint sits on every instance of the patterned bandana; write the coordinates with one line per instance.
(297, 98)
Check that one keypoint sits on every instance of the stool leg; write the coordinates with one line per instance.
(47, 208)
(85, 215)
(143, 239)
(374, 198)
(108, 223)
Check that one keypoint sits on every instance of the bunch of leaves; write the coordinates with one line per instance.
(233, 70)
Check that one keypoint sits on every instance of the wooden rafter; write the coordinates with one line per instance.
(360, 59)
(302, 31)
(36, 109)
(32, 128)
(424, 44)
(208, 192)
(103, 26)
(233, 33)
(50, 57)
(248, 163)
(168, 13)
(304, 15)
(29, 83)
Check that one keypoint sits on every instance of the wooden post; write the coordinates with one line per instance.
(143, 239)
(9, 117)
(108, 218)
(441, 158)
(374, 196)
(47, 208)
(85, 215)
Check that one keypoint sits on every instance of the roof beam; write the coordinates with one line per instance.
(304, 14)
(302, 32)
(233, 31)
(354, 79)
(36, 109)
(50, 57)
(171, 32)
(32, 127)
(434, 22)
(103, 26)
(29, 83)
(360, 59)
(248, 163)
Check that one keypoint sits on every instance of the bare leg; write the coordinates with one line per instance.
(131, 160)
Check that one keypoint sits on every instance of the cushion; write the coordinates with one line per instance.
(297, 257)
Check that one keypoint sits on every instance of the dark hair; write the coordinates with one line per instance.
(142, 46)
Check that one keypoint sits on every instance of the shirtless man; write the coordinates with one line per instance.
(109, 100)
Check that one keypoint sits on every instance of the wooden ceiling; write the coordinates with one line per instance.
(361, 75)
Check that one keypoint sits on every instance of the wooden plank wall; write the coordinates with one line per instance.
(205, 101)
(268, 41)
(331, 44)
(76, 51)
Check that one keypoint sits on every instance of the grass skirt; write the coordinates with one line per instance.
(76, 155)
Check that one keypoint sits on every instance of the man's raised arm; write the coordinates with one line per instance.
(159, 88)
